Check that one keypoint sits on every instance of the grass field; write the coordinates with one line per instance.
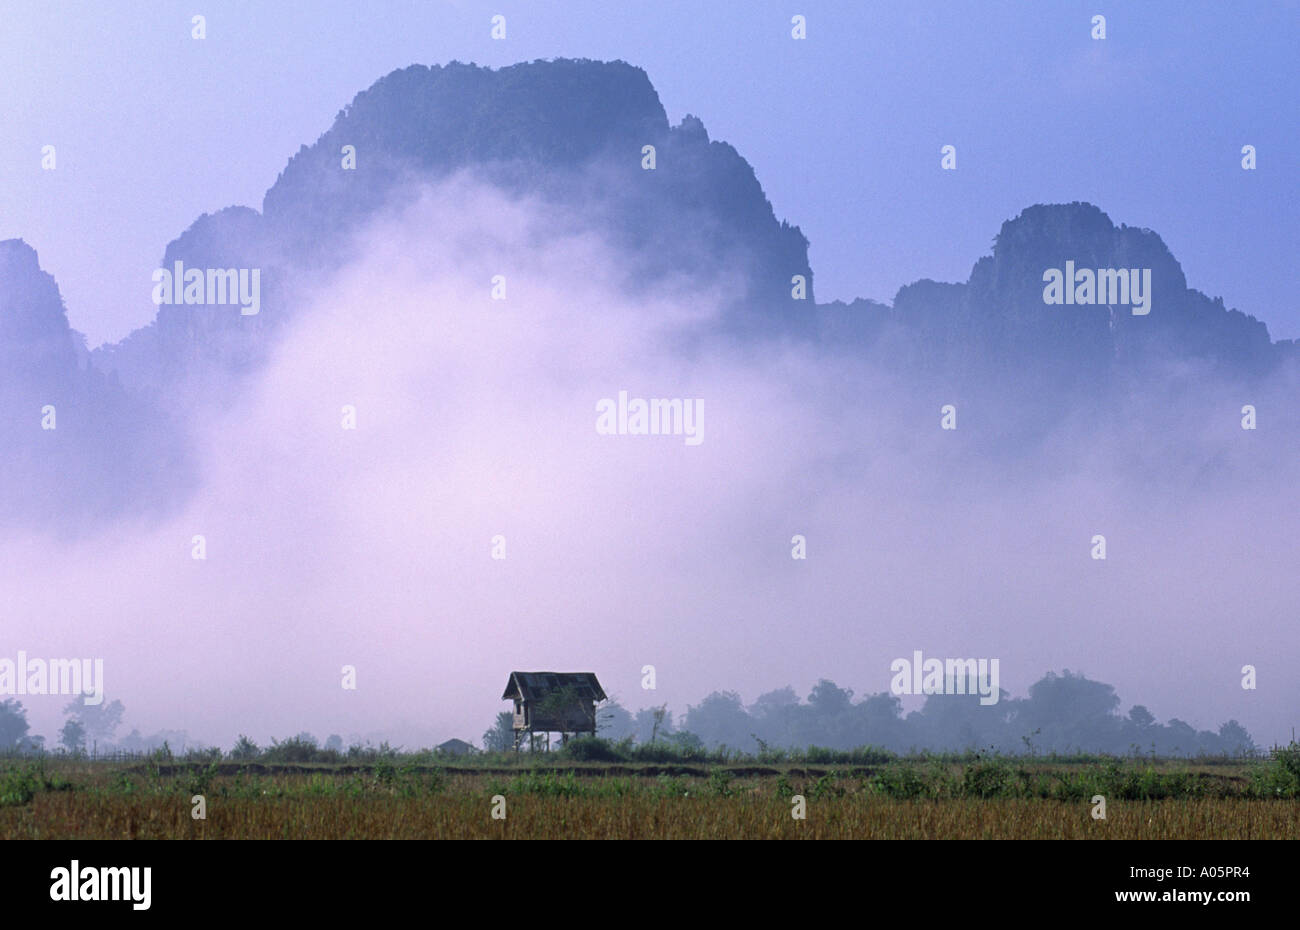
(412, 798)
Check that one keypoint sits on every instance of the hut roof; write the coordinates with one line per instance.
(532, 686)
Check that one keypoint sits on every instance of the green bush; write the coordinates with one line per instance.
(900, 780)
(594, 749)
(1288, 759)
(17, 787)
(199, 780)
(245, 750)
(212, 754)
(299, 750)
(988, 778)
(548, 784)
(861, 755)
(720, 783)
(1280, 776)
(826, 787)
(19, 784)
(668, 752)
(784, 789)
(670, 786)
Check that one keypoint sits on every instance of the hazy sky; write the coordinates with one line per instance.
(153, 128)
(371, 548)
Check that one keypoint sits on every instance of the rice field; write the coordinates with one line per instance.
(988, 799)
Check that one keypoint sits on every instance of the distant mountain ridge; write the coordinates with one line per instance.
(74, 445)
(575, 131)
(569, 130)
(999, 316)
(539, 127)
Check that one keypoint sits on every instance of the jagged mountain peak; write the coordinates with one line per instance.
(35, 337)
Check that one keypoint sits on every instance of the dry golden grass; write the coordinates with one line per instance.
(69, 815)
(72, 799)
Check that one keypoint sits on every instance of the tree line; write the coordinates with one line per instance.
(1065, 713)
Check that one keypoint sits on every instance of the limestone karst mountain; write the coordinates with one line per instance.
(75, 446)
(569, 132)
(996, 322)
(574, 133)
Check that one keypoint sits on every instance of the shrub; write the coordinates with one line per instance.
(594, 749)
(667, 752)
(720, 783)
(861, 755)
(17, 787)
(784, 789)
(295, 749)
(548, 784)
(1288, 759)
(245, 750)
(1280, 776)
(212, 754)
(199, 780)
(988, 778)
(900, 780)
(825, 787)
(670, 786)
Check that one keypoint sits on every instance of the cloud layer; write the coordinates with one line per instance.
(475, 417)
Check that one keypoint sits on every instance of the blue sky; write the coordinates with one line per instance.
(153, 128)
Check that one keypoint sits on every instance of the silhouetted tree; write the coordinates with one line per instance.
(245, 749)
(960, 721)
(1235, 739)
(720, 719)
(1073, 713)
(613, 722)
(653, 724)
(13, 723)
(98, 721)
(500, 737)
(73, 735)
